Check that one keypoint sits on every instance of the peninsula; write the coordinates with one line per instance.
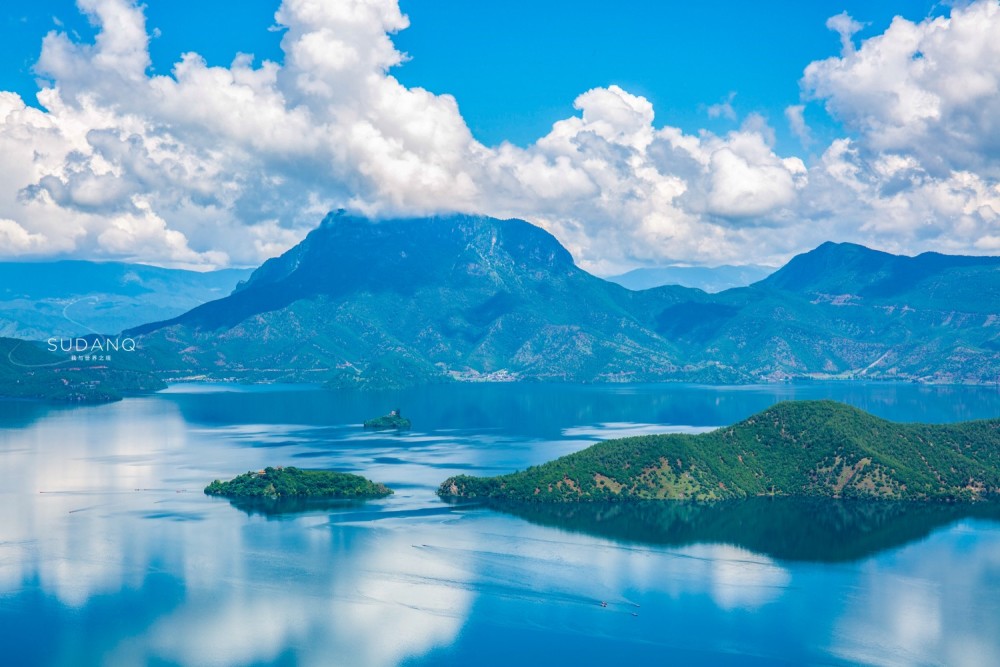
(280, 483)
(796, 448)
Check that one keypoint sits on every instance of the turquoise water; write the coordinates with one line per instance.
(111, 555)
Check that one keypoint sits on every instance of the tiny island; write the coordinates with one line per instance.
(282, 483)
(393, 420)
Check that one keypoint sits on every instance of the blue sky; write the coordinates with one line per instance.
(524, 61)
(638, 133)
(515, 67)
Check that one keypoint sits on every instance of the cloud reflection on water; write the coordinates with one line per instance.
(373, 604)
(254, 588)
(928, 604)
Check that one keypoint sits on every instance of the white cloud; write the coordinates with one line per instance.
(846, 27)
(745, 187)
(795, 115)
(15, 239)
(921, 99)
(929, 89)
(217, 165)
(723, 109)
(213, 165)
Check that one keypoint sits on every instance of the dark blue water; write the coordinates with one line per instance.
(111, 555)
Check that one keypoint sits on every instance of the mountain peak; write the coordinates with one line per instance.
(829, 266)
(347, 254)
(850, 268)
(415, 245)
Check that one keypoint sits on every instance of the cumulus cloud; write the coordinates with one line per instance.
(795, 115)
(921, 101)
(209, 166)
(929, 89)
(217, 165)
(15, 238)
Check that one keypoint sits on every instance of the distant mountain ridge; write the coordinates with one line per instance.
(39, 300)
(848, 268)
(363, 303)
(710, 279)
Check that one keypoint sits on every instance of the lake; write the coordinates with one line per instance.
(110, 554)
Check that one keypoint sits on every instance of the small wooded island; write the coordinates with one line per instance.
(279, 483)
(796, 448)
(393, 420)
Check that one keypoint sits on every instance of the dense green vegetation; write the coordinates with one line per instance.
(28, 370)
(279, 483)
(406, 302)
(798, 448)
(393, 420)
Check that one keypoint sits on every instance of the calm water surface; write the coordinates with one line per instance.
(111, 555)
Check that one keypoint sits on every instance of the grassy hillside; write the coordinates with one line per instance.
(29, 370)
(799, 448)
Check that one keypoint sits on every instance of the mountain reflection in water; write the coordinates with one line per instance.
(819, 530)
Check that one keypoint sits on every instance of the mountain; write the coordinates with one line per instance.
(710, 279)
(846, 311)
(396, 302)
(798, 448)
(403, 301)
(854, 272)
(31, 370)
(39, 300)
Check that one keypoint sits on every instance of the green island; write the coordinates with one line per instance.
(795, 448)
(393, 420)
(281, 483)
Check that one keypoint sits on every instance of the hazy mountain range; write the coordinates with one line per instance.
(39, 300)
(403, 301)
(711, 279)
